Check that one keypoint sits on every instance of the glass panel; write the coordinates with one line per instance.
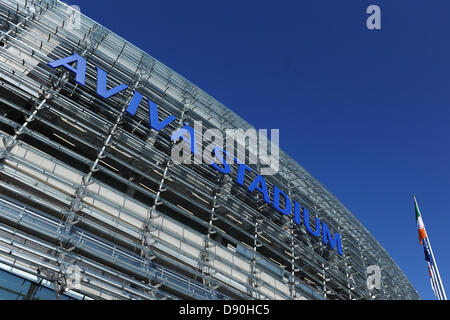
(13, 287)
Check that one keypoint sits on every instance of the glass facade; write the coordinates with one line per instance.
(88, 193)
(13, 287)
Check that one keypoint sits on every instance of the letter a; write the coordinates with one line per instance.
(80, 70)
(373, 21)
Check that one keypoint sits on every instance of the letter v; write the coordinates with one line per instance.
(154, 122)
(101, 85)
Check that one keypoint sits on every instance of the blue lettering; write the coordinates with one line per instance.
(296, 212)
(336, 241)
(241, 173)
(80, 70)
(226, 167)
(258, 183)
(102, 91)
(134, 103)
(307, 224)
(259, 180)
(276, 201)
(154, 122)
(179, 134)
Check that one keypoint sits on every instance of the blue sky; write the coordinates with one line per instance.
(366, 112)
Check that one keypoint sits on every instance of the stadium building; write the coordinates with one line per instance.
(92, 206)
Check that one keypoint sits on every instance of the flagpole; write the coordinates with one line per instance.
(433, 282)
(437, 288)
(423, 235)
(436, 269)
(431, 270)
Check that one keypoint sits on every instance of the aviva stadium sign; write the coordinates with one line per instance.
(77, 65)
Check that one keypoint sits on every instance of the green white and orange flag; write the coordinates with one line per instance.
(419, 221)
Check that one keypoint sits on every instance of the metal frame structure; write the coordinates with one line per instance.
(83, 183)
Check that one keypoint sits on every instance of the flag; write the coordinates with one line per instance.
(419, 221)
(427, 252)
(433, 271)
(432, 281)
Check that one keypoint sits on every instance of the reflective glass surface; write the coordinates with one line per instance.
(13, 287)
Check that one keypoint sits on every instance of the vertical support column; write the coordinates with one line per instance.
(345, 258)
(76, 205)
(254, 283)
(365, 268)
(293, 258)
(47, 94)
(293, 292)
(205, 257)
(324, 276)
(92, 38)
(147, 238)
(324, 268)
(12, 141)
(149, 227)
